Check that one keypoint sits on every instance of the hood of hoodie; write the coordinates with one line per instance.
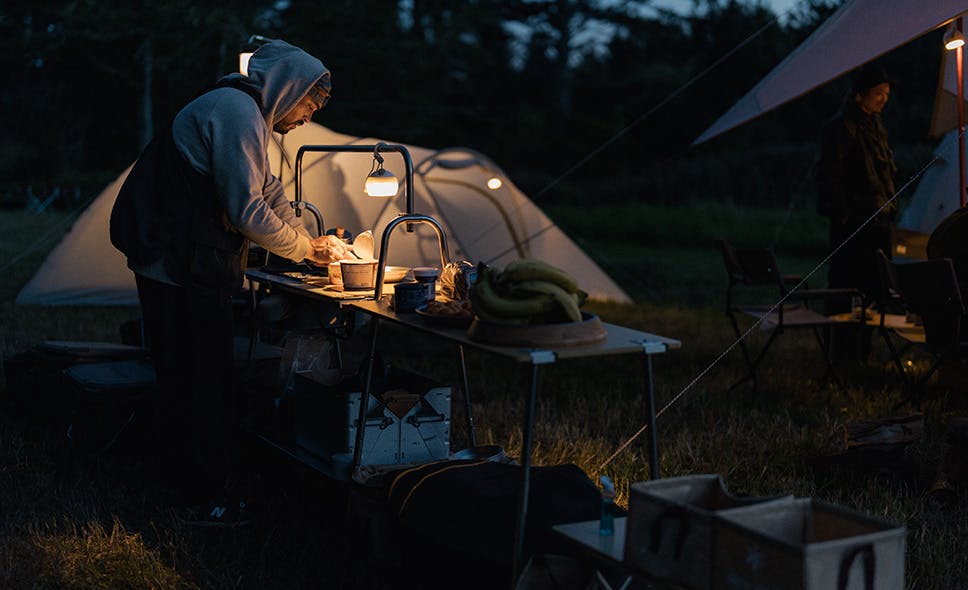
(281, 74)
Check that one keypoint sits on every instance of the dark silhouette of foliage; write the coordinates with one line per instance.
(571, 97)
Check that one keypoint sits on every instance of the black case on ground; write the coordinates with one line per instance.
(35, 378)
(107, 398)
(78, 388)
(452, 523)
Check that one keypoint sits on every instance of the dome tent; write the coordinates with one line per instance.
(494, 226)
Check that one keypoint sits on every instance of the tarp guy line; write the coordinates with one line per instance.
(44, 238)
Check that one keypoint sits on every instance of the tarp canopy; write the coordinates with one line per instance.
(859, 31)
(495, 226)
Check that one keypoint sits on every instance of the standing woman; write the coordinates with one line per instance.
(855, 177)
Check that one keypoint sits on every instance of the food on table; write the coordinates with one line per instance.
(527, 291)
(450, 308)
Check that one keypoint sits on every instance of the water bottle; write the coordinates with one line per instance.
(606, 523)
(857, 307)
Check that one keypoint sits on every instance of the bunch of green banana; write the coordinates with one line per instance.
(527, 291)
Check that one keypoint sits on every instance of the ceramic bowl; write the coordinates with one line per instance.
(363, 245)
(395, 274)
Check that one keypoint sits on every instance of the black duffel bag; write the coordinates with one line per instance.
(457, 518)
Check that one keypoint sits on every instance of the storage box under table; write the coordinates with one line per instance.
(807, 545)
(670, 526)
(407, 419)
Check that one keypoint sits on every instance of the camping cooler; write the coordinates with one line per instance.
(807, 545)
(407, 419)
(670, 526)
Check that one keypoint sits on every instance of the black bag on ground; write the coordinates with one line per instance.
(107, 399)
(463, 514)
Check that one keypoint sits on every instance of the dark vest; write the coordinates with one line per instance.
(166, 210)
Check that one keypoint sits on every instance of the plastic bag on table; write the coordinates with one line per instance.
(311, 354)
(456, 279)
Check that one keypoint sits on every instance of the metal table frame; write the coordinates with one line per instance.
(619, 340)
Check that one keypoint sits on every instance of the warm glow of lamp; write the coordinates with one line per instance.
(244, 62)
(493, 182)
(953, 39)
(248, 48)
(381, 183)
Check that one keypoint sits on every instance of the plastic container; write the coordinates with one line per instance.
(358, 275)
(427, 276)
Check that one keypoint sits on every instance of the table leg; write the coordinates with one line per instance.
(650, 410)
(527, 431)
(339, 351)
(604, 583)
(253, 322)
(365, 397)
(465, 390)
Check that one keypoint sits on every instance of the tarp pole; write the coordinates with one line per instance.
(959, 54)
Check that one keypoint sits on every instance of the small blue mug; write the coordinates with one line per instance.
(409, 296)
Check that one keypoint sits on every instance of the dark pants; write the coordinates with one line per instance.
(855, 265)
(189, 334)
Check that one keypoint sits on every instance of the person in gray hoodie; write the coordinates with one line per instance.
(197, 195)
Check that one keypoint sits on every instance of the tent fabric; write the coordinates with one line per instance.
(856, 33)
(936, 195)
(84, 268)
(494, 226)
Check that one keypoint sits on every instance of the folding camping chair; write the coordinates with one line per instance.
(757, 268)
(892, 314)
(930, 289)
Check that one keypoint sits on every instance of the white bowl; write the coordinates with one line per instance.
(394, 274)
(363, 245)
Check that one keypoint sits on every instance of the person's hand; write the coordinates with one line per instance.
(327, 249)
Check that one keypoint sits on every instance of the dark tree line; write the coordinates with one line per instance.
(569, 96)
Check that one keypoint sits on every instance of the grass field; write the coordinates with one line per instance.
(76, 522)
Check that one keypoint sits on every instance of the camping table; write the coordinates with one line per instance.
(899, 324)
(892, 321)
(605, 551)
(619, 340)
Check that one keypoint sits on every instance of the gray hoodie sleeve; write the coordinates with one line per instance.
(275, 196)
(225, 130)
